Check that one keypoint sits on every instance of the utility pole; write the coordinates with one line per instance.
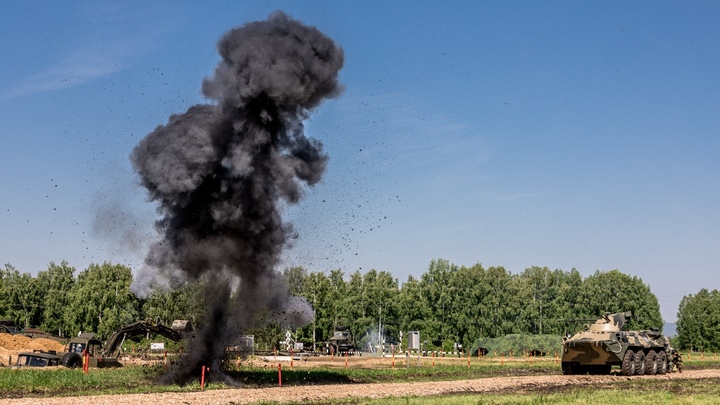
(314, 319)
(379, 325)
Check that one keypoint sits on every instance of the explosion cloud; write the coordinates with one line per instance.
(220, 173)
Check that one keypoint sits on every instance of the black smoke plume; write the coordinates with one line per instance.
(222, 171)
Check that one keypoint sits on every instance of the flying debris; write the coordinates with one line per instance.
(220, 173)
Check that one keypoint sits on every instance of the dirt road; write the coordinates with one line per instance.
(324, 392)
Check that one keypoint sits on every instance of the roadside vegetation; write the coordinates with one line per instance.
(637, 392)
(455, 308)
(60, 381)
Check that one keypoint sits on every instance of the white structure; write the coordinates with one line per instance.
(414, 340)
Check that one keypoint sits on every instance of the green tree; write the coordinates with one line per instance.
(316, 288)
(101, 300)
(353, 308)
(166, 304)
(5, 295)
(337, 291)
(22, 299)
(614, 291)
(499, 316)
(57, 281)
(382, 292)
(295, 278)
(550, 297)
(698, 324)
(413, 309)
(440, 294)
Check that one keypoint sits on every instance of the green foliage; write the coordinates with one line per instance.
(57, 282)
(101, 300)
(636, 391)
(21, 297)
(166, 305)
(448, 304)
(38, 383)
(452, 304)
(519, 344)
(698, 324)
(613, 292)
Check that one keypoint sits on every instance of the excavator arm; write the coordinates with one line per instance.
(132, 331)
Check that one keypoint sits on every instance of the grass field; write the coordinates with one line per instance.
(15, 383)
(637, 392)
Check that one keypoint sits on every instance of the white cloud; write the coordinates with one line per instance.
(81, 67)
(114, 39)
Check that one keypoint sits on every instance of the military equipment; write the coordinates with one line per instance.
(104, 356)
(9, 326)
(604, 344)
(342, 341)
(37, 358)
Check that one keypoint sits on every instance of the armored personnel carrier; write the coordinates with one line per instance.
(604, 344)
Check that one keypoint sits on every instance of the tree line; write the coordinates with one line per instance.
(448, 304)
(452, 304)
(698, 324)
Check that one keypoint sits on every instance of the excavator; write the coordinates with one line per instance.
(105, 356)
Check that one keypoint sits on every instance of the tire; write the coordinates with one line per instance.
(640, 362)
(628, 364)
(71, 360)
(651, 363)
(661, 362)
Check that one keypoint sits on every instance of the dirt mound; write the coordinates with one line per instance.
(12, 345)
(19, 342)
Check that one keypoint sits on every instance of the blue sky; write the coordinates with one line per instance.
(561, 134)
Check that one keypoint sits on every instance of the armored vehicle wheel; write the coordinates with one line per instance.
(628, 364)
(651, 363)
(640, 362)
(661, 362)
(71, 360)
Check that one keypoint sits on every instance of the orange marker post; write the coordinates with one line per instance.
(202, 378)
(393, 361)
(292, 354)
(433, 361)
(468, 359)
(279, 375)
